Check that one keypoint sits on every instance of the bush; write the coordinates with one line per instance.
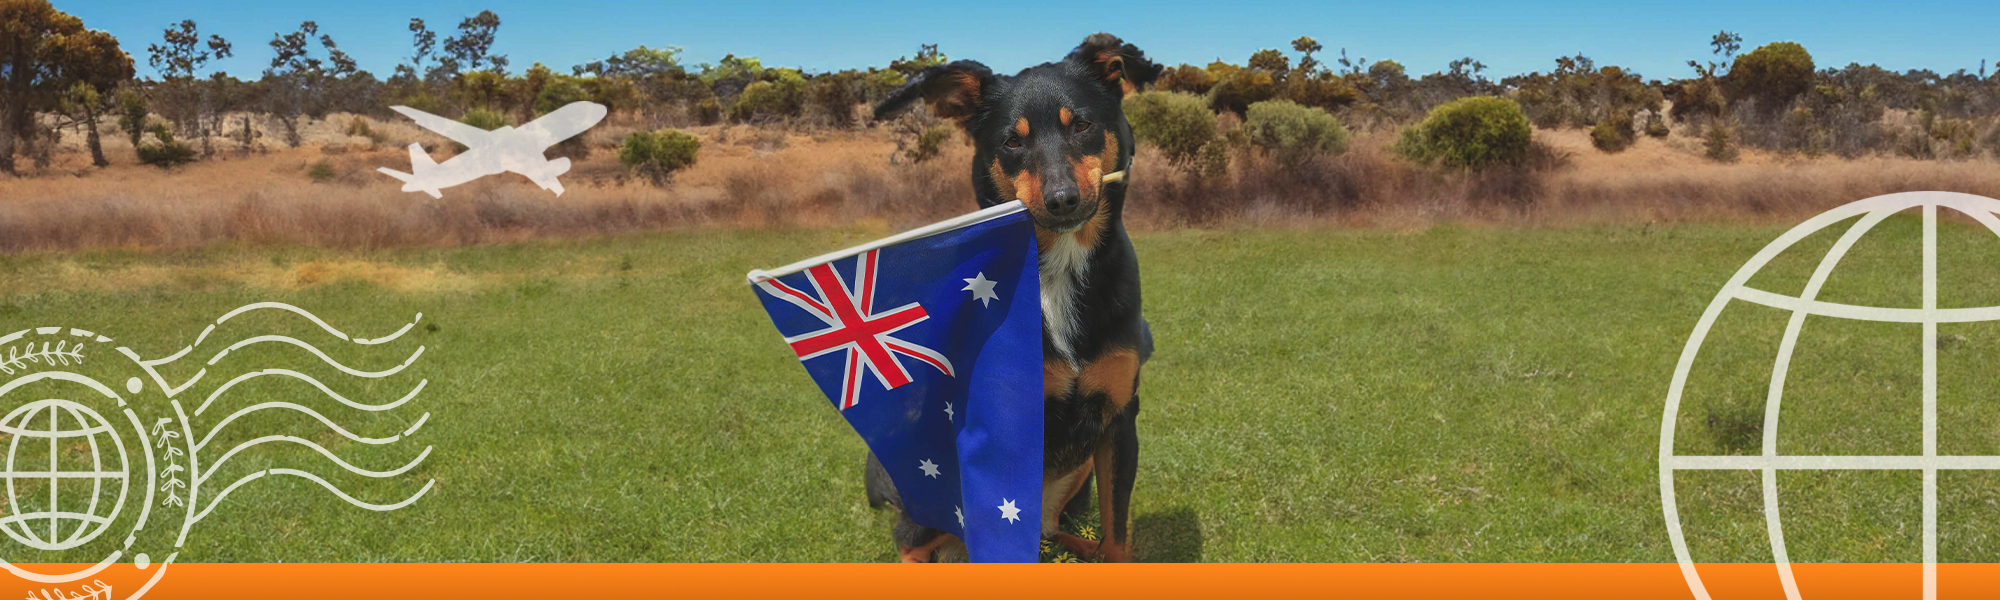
(929, 143)
(1295, 134)
(1696, 100)
(1656, 126)
(770, 100)
(168, 152)
(1719, 142)
(834, 95)
(558, 94)
(320, 172)
(132, 113)
(1239, 88)
(708, 111)
(1612, 133)
(657, 155)
(1771, 75)
(1178, 124)
(1212, 161)
(359, 127)
(484, 119)
(1474, 132)
(1186, 78)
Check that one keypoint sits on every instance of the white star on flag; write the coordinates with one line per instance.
(1008, 511)
(961, 516)
(982, 290)
(948, 414)
(928, 467)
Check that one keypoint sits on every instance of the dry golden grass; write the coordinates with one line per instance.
(772, 178)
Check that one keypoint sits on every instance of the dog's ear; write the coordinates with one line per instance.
(1116, 63)
(953, 91)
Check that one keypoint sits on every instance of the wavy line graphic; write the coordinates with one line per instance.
(316, 352)
(316, 383)
(315, 479)
(315, 414)
(311, 317)
(198, 479)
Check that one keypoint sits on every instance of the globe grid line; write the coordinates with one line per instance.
(21, 525)
(1769, 462)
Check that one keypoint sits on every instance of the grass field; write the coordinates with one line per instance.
(1451, 394)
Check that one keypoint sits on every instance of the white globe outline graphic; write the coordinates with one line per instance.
(91, 425)
(1769, 462)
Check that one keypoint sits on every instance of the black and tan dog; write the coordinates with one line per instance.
(1055, 137)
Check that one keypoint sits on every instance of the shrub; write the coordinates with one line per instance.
(359, 127)
(1771, 75)
(1212, 161)
(1719, 142)
(708, 111)
(929, 143)
(132, 113)
(484, 119)
(1237, 89)
(657, 155)
(1474, 132)
(770, 100)
(168, 152)
(558, 94)
(1178, 124)
(1612, 133)
(1656, 126)
(1186, 78)
(320, 172)
(422, 101)
(834, 95)
(1696, 100)
(1294, 134)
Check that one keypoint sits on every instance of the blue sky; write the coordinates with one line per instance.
(1654, 39)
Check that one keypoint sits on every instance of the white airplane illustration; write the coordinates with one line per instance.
(517, 149)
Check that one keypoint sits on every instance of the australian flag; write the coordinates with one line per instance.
(930, 343)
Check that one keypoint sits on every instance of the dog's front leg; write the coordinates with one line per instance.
(1117, 464)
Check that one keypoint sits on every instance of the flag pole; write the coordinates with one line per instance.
(983, 215)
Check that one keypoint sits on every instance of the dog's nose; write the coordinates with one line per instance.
(1062, 200)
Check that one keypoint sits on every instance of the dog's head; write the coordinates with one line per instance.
(1046, 136)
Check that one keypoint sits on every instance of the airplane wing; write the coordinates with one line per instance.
(563, 123)
(472, 137)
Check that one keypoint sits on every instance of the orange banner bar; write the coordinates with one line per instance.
(875, 581)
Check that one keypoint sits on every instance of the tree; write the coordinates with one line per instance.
(193, 105)
(1725, 44)
(298, 83)
(1306, 46)
(45, 53)
(927, 56)
(183, 54)
(1772, 75)
(471, 49)
(636, 63)
(1270, 60)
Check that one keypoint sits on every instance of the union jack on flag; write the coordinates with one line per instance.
(853, 329)
(947, 320)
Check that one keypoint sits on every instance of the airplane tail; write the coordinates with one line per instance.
(420, 163)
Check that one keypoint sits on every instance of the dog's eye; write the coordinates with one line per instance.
(1081, 126)
(1013, 142)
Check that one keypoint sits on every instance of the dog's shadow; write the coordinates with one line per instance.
(1173, 536)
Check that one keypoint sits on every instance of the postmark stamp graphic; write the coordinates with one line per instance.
(109, 463)
(1865, 214)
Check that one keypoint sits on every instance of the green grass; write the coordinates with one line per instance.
(1455, 394)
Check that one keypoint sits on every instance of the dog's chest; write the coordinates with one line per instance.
(1063, 269)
